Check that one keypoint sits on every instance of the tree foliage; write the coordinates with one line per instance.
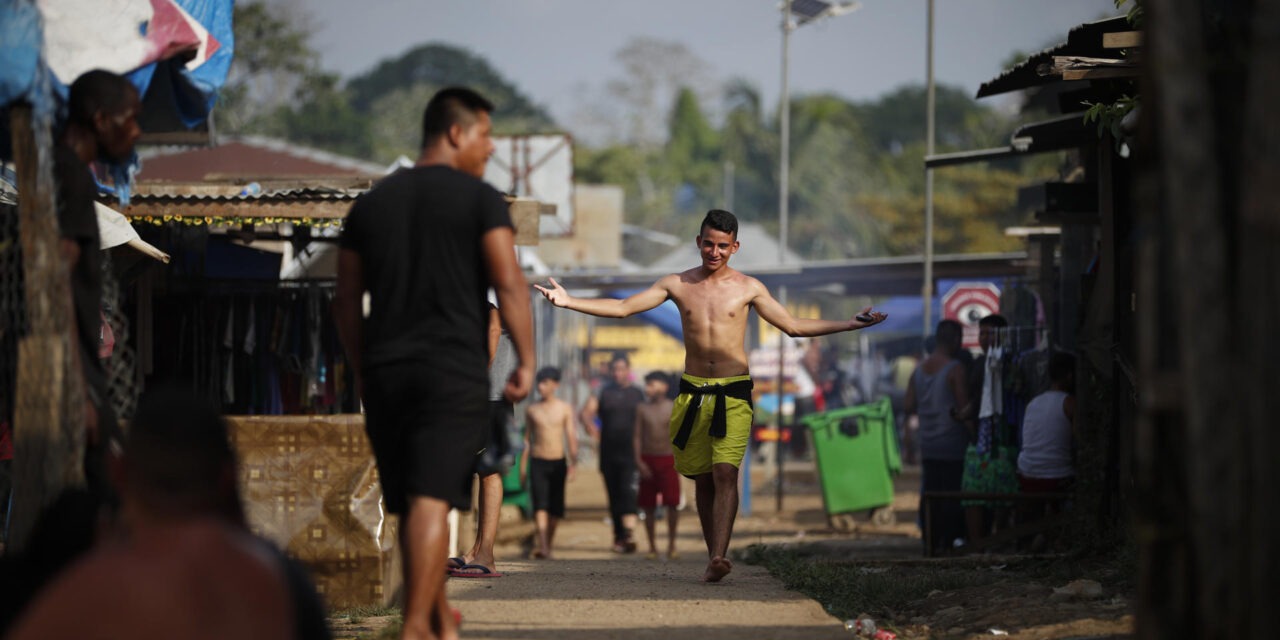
(678, 142)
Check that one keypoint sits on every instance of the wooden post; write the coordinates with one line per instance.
(49, 407)
(1210, 305)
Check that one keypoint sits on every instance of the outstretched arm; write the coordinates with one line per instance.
(777, 315)
(606, 307)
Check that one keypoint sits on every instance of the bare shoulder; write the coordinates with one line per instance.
(559, 406)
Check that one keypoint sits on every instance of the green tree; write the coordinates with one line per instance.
(692, 156)
(323, 118)
(272, 60)
(427, 68)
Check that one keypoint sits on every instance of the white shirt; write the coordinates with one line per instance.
(1046, 438)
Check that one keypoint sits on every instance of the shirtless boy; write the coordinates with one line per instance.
(711, 419)
(654, 460)
(548, 427)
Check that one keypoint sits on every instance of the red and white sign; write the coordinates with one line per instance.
(969, 302)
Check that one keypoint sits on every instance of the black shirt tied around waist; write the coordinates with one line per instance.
(740, 390)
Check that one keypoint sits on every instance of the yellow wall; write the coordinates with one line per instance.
(769, 335)
(646, 345)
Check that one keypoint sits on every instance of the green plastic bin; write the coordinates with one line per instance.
(857, 455)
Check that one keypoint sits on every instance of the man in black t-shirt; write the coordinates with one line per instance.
(102, 124)
(426, 243)
(615, 406)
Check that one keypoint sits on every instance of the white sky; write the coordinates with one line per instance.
(558, 51)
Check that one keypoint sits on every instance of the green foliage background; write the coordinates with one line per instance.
(857, 167)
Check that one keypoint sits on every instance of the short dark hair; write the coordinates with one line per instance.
(1061, 365)
(96, 91)
(177, 449)
(949, 334)
(619, 356)
(450, 106)
(657, 375)
(548, 373)
(720, 220)
(993, 320)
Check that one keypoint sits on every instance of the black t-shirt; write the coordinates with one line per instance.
(77, 221)
(616, 407)
(418, 233)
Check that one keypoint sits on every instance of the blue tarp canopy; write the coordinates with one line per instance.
(906, 313)
(665, 316)
(179, 48)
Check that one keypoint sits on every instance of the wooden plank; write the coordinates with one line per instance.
(48, 421)
(1100, 74)
(1122, 40)
(525, 216)
(252, 208)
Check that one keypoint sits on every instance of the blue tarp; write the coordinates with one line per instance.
(665, 316)
(906, 313)
(24, 68)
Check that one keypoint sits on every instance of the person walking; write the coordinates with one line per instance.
(615, 406)
(426, 243)
(711, 419)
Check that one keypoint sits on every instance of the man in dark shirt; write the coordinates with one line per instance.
(426, 243)
(102, 125)
(616, 408)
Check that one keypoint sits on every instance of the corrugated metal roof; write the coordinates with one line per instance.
(1083, 40)
(250, 158)
(286, 195)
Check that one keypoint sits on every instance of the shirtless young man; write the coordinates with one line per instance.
(710, 437)
(655, 462)
(549, 426)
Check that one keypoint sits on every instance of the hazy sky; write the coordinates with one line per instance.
(560, 51)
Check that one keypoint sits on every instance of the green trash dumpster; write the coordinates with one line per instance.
(856, 449)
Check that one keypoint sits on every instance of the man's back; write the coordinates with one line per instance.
(197, 579)
(418, 235)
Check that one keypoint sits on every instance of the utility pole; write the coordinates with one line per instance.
(926, 290)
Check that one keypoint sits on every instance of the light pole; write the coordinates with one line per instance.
(804, 12)
(926, 292)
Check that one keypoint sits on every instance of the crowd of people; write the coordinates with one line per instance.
(988, 426)
(441, 357)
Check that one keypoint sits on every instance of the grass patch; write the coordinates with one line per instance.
(356, 614)
(847, 589)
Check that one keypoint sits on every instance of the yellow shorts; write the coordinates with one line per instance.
(703, 450)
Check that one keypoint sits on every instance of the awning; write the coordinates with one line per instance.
(177, 52)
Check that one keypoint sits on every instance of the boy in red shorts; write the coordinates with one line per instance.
(655, 461)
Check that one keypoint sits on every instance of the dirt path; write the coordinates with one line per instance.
(590, 592)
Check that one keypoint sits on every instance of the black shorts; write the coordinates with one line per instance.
(546, 485)
(425, 430)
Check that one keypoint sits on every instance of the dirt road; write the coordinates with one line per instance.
(588, 591)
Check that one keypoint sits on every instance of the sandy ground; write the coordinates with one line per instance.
(588, 591)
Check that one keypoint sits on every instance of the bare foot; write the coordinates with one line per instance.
(717, 569)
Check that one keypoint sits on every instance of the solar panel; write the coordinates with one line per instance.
(809, 9)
